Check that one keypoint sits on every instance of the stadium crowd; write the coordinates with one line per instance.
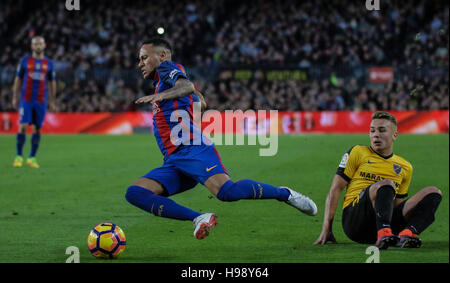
(95, 51)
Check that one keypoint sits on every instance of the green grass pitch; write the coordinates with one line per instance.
(83, 179)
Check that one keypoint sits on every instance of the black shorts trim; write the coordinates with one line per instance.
(401, 196)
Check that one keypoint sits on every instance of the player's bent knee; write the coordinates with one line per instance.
(134, 193)
(130, 195)
(226, 192)
(150, 185)
(387, 182)
(383, 183)
(432, 190)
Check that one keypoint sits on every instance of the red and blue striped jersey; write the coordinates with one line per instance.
(165, 77)
(35, 74)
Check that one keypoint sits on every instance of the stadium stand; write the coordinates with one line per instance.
(295, 55)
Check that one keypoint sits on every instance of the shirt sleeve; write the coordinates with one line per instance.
(349, 164)
(21, 68)
(404, 186)
(51, 71)
(169, 73)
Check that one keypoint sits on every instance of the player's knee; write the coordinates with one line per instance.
(130, 194)
(23, 128)
(432, 190)
(36, 130)
(388, 182)
(385, 183)
(226, 192)
(134, 193)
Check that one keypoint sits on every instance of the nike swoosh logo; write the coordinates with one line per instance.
(210, 168)
(371, 162)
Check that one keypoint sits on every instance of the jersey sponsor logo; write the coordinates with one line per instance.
(374, 177)
(344, 161)
(397, 169)
(38, 76)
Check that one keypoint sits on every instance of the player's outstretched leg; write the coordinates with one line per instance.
(249, 189)
(164, 207)
(158, 205)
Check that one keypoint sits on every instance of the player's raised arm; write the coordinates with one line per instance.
(182, 87)
(331, 203)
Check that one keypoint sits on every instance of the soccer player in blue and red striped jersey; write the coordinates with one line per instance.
(189, 159)
(35, 83)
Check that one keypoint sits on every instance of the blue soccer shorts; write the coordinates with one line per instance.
(188, 166)
(32, 113)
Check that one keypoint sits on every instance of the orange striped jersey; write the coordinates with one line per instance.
(361, 166)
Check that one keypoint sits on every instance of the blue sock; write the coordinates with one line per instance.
(158, 205)
(35, 140)
(249, 189)
(20, 141)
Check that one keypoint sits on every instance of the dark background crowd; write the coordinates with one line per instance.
(333, 43)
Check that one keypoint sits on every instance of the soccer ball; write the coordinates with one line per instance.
(106, 240)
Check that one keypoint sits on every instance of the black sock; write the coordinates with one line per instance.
(384, 206)
(423, 214)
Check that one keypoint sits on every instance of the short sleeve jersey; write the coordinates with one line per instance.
(166, 129)
(361, 166)
(35, 74)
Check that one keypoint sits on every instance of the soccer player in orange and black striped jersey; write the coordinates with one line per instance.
(377, 181)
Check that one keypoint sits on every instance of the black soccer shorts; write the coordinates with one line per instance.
(359, 222)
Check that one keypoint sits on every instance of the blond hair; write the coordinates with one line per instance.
(385, 116)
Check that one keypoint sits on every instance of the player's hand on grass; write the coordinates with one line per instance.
(149, 99)
(325, 236)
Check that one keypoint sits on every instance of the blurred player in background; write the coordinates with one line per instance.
(377, 182)
(187, 164)
(35, 83)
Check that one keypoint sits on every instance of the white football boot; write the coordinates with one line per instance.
(301, 202)
(203, 223)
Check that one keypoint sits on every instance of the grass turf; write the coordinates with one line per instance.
(83, 179)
